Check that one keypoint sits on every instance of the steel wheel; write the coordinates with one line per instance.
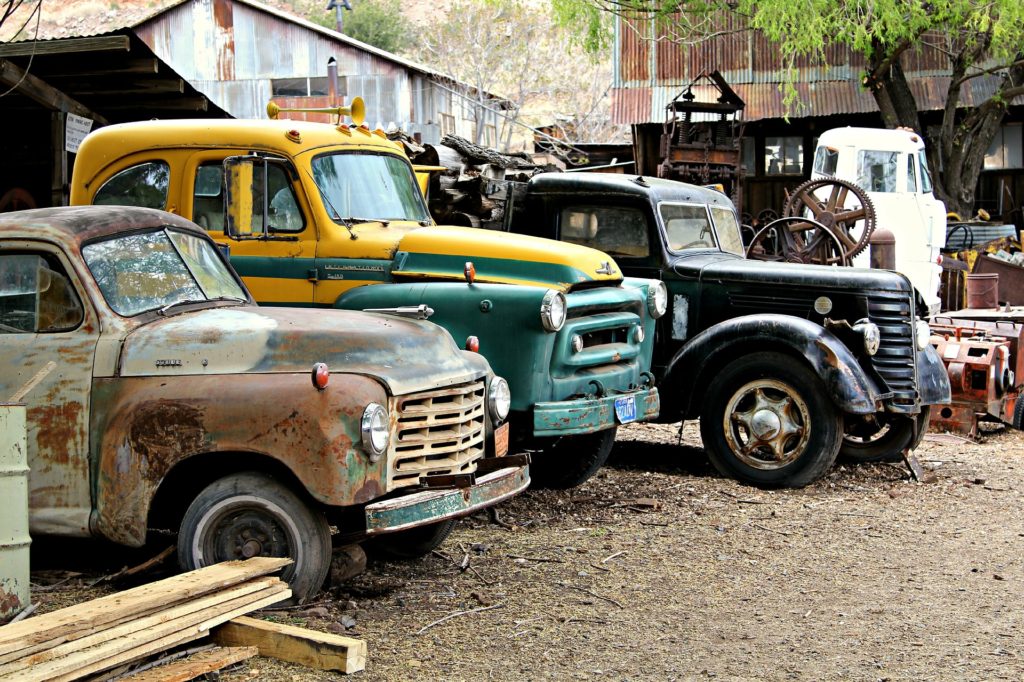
(766, 424)
(841, 206)
(251, 514)
(767, 420)
(797, 240)
(882, 437)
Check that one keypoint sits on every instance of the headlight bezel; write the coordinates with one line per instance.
(375, 420)
(499, 398)
(657, 299)
(551, 307)
(870, 335)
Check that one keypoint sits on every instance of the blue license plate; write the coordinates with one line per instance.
(625, 409)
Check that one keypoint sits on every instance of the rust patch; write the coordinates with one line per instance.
(9, 602)
(369, 491)
(59, 432)
(160, 434)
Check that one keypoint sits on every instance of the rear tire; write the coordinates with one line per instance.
(767, 420)
(251, 514)
(884, 437)
(413, 543)
(570, 461)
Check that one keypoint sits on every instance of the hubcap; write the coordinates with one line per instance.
(767, 424)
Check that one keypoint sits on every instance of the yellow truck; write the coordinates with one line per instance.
(320, 215)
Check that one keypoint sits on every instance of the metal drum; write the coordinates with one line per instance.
(14, 538)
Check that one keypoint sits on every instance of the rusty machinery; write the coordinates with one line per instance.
(984, 363)
(826, 221)
(700, 142)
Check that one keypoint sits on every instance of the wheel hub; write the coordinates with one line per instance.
(765, 424)
(248, 534)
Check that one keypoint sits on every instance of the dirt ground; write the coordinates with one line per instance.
(659, 569)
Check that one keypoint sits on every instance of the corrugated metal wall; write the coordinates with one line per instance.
(231, 52)
(650, 74)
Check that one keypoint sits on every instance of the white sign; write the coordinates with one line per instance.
(75, 131)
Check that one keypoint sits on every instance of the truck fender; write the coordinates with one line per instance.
(695, 365)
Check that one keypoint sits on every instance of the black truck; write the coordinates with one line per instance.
(787, 366)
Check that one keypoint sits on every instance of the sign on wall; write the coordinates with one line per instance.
(75, 130)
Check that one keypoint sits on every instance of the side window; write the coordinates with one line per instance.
(36, 295)
(911, 175)
(619, 232)
(142, 185)
(270, 180)
(825, 160)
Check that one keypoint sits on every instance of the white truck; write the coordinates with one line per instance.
(890, 165)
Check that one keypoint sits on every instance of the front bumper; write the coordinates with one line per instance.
(431, 506)
(587, 415)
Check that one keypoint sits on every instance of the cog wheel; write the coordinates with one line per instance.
(828, 201)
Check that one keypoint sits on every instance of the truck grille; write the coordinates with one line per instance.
(437, 432)
(895, 361)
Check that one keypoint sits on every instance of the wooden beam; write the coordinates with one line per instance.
(43, 93)
(64, 46)
(195, 665)
(173, 104)
(152, 86)
(132, 66)
(310, 648)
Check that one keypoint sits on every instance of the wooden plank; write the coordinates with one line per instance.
(312, 649)
(97, 44)
(187, 613)
(130, 603)
(195, 665)
(124, 67)
(124, 650)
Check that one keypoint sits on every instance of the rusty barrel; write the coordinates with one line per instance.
(983, 290)
(14, 538)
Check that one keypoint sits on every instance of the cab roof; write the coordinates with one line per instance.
(655, 189)
(79, 224)
(877, 139)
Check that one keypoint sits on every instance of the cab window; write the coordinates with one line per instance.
(826, 160)
(619, 232)
(687, 226)
(143, 185)
(911, 175)
(728, 229)
(36, 295)
(269, 180)
(877, 170)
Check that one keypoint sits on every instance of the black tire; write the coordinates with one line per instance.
(883, 437)
(570, 461)
(413, 543)
(801, 428)
(1018, 413)
(251, 514)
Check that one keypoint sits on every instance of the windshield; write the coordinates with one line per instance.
(368, 187)
(877, 170)
(152, 270)
(687, 226)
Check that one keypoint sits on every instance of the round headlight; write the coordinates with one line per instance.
(577, 343)
(375, 430)
(552, 310)
(869, 332)
(499, 399)
(924, 334)
(657, 299)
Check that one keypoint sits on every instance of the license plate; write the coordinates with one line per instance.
(625, 409)
(501, 440)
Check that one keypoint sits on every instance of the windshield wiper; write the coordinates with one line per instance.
(187, 301)
(353, 220)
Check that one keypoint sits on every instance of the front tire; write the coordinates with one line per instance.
(882, 437)
(413, 543)
(251, 514)
(570, 461)
(768, 421)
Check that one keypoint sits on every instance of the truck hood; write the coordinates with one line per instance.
(727, 268)
(406, 355)
(501, 257)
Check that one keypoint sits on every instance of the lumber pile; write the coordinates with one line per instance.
(111, 631)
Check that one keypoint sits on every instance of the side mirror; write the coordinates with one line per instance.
(239, 197)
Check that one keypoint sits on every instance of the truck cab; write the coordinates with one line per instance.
(177, 404)
(891, 166)
(321, 216)
(785, 365)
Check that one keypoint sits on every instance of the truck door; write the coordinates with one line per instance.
(254, 205)
(45, 317)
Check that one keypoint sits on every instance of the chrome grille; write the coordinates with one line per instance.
(895, 360)
(437, 432)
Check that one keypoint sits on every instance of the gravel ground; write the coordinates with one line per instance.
(659, 569)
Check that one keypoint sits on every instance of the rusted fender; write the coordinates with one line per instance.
(142, 428)
(696, 364)
(932, 378)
